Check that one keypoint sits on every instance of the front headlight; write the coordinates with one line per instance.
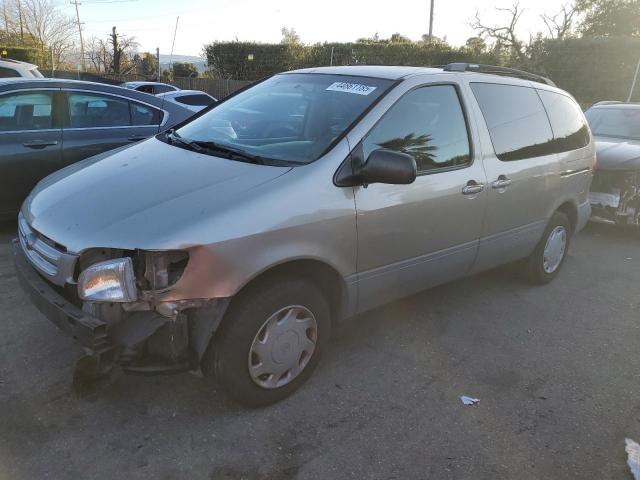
(110, 281)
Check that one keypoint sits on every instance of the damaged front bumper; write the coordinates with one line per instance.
(88, 331)
(615, 197)
(142, 342)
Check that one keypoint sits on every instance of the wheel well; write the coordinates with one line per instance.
(325, 277)
(570, 210)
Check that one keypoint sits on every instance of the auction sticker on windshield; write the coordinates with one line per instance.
(346, 87)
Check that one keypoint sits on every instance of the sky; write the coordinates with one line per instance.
(152, 22)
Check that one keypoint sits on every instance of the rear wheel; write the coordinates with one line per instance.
(544, 263)
(270, 341)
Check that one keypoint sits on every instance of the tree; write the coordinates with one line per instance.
(399, 38)
(607, 18)
(115, 55)
(184, 70)
(504, 36)
(560, 24)
(122, 48)
(476, 45)
(289, 36)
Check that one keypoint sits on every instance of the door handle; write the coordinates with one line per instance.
(40, 143)
(135, 138)
(501, 182)
(472, 187)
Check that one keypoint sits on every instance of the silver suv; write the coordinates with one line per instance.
(233, 242)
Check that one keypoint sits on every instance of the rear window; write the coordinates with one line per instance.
(516, 119)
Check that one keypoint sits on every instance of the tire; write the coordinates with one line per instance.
(535, 268)
(232, 351)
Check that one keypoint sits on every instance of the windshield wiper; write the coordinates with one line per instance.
(232, 153)
(174, 137)
(204, 146)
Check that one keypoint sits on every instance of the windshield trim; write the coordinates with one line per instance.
(277, 162)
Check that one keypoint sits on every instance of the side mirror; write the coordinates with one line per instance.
(388, 166)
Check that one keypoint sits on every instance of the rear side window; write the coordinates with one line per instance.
(195, 100)
(25, 111)
(101, 111)
(145, 89)
(8, 73)
(91, 111)
(428, 124)
(569, 126)
(516, 119)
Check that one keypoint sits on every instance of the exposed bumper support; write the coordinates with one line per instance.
(87, 330)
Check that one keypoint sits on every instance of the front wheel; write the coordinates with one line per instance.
(544, 263)
(270, 341)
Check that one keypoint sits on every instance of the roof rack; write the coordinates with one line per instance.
(493, 70)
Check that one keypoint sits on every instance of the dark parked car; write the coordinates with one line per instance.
(615, 191)
(46, 124)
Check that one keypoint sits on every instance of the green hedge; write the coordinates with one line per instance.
(591, 69)
(26, 54)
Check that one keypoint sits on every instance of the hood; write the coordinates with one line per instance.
(617, 153)
(142, 196)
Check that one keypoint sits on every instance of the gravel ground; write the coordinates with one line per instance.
(556, 369)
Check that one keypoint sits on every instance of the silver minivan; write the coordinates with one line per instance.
(234, 241)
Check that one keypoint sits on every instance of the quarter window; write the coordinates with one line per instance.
(516, 119)
(142, 115)
(569, 126)
(428, 124)
(25, 111)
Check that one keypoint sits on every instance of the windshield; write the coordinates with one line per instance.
(615, 122)
(289, 117)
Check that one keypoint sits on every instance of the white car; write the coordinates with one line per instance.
(194, 100)
(15, 69)
(154, 88)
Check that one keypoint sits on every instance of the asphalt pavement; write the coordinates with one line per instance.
(556, 369)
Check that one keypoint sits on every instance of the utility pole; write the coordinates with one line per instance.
(431, 22)
(158, 59)
(76, 3)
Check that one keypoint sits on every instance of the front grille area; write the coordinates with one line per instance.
(607, 181)
(49, 258)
